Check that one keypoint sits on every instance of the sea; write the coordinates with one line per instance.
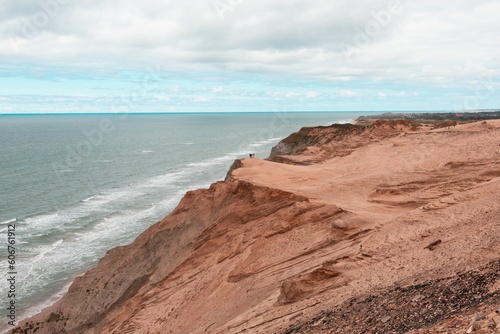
(78, 185)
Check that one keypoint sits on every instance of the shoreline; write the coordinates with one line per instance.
(65, 213)
(99, 199)
(328, 183)
(39, 307)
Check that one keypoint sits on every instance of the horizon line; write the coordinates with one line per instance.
(239, 112)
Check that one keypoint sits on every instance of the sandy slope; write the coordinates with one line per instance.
(282, 243)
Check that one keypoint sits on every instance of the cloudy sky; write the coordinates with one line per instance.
(248, 55)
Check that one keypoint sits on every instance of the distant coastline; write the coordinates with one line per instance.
(426, 117)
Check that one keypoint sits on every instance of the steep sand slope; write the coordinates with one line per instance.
(289, 248)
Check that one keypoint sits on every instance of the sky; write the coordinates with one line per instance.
(248, 55)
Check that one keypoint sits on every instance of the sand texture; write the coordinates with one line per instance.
(389, 228)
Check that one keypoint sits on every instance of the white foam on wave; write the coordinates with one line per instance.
(102, 201)
(76, 248)
(88, 199)
(62, 257)
(242, 152)
(8, 221)
(64, 218)
(109, 197)
(70, 254)
(212, 162)
(147, 151)
(42, 221)
(163, 180)
(34, 276)
(169, 203)
(57, 220)
(37, 307)
(124, 225)
(229, 157)
(265, 142)
(47, 249)
(115, 228)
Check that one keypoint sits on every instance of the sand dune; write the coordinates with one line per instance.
(391, 213)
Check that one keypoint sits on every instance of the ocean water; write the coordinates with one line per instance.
(76, 186)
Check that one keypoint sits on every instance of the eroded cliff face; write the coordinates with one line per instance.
(311, 145)
(363, 221)
(230, 246)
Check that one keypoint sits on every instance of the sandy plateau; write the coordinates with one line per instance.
(388, 228)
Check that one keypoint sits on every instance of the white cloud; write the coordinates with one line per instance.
(218, 90)
(279, 36)
(348, 93)
(201, 99)
(384, 95)
(312, 95)
(161, 98)
(428, 44)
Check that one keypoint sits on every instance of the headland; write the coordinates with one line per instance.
(389, 226)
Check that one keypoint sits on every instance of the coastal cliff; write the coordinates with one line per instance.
(387, 228)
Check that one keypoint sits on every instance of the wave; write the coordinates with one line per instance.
(42, 221)
(57, 221)
(88, 199)
(13, 220)
(47, 250)
(241, 153)
(112, 196)
(162, 180)
(121, 226)
(120, 197)
(265, 142)
(38, 307)
(147, 151)
(212, 162)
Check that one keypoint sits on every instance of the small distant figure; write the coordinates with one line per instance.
(252, 155)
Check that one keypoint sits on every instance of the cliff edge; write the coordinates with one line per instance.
(388, 228)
